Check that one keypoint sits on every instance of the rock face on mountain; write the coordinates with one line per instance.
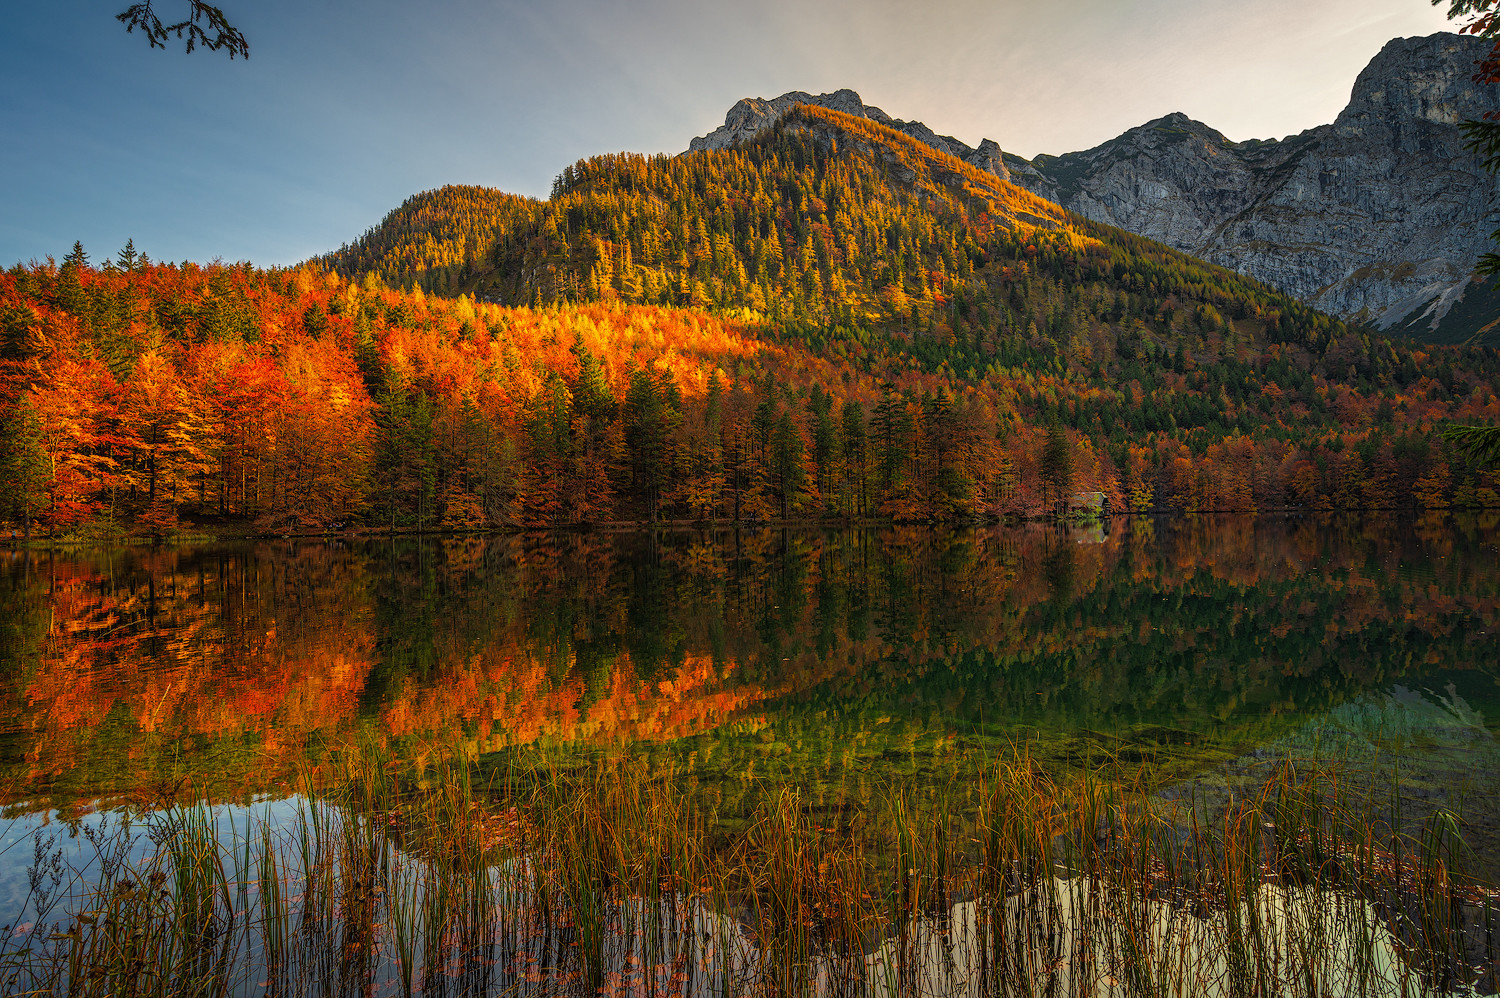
(752, 114)
(1380, 215)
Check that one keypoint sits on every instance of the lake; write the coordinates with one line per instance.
(230, 669)
(1190, 654)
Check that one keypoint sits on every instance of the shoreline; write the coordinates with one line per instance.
(249, 533)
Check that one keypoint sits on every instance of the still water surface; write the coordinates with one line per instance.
(1190, 646)
(1191, 654)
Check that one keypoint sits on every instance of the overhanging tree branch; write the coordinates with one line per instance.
(204, 25)
(1480, 444)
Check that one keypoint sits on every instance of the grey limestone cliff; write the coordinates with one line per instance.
(747, 118)
(1380, 215)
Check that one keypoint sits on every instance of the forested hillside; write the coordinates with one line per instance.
(832, 321)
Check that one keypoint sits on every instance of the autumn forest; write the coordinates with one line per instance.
(832, 321)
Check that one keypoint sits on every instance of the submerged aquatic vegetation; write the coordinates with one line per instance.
(621, 878)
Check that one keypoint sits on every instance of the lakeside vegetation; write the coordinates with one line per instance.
(617, 883)
(882, 750)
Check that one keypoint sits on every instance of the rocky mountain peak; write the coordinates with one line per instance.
(751, 115)
(1379, 215)
(1179, 124)
(1176, 119)
(1427, 78)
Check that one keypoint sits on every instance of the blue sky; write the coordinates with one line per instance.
(345, 108)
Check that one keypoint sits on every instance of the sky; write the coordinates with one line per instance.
(347, 107)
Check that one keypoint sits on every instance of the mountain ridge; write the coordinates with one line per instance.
(1378, 216)
(904, 229)
(751, 115)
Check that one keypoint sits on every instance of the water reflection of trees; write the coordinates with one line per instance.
(147, 665)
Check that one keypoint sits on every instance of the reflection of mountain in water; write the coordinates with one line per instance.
(1404, 722)
(1038, 934)
(240, 664)
(1425, 749)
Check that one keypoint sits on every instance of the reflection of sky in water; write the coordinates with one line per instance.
(942, 952)
(20, 836)
(17, 844)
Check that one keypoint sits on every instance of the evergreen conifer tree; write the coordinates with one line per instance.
(787, 466)
(25, 469)
(1057, 461)
(127, 258)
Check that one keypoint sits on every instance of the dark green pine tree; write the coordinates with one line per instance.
(892, 425)
(19, 325)
(852, 427)
(788, 470)
(592, 396)
(652, 410)
(25, 471)
(70, 296)
(406, 462)
(1057, 461)
(825, 439)
(713, 403)
(127, 258)
(314, 321)
(550, 421)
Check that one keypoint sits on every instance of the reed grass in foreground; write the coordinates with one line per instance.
(619, 880)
